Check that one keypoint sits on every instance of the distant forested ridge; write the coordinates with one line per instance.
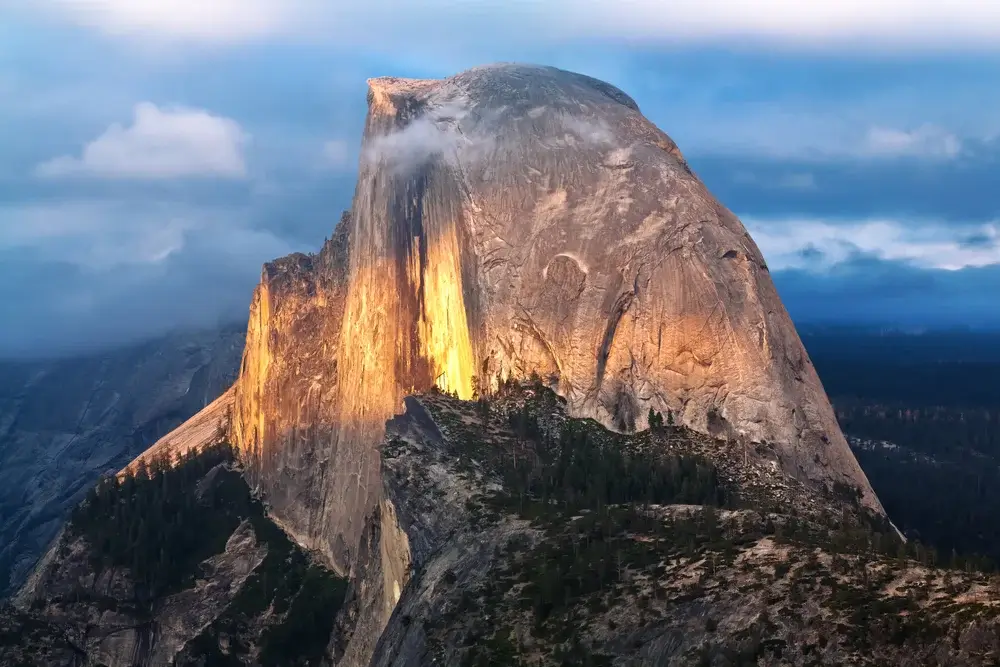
(936, 398)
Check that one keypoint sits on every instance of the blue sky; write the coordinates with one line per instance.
(154, 154)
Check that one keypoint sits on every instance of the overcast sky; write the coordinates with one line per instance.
(153, 154)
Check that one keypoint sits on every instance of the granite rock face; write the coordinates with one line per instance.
(285, 413)
(597, 258)
(63, 423)
(507, 220)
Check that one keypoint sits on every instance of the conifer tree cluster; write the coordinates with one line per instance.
(581, 467)
(656, 421)
(153, 520)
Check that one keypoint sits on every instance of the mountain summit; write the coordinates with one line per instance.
(507, 220)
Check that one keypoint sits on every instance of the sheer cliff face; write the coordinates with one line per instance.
(506, 220)
(284, 415)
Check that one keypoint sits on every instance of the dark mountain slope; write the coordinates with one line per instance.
(175, 565)
(65, 422)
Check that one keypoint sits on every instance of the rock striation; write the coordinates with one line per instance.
(286, 417)
(507, 220)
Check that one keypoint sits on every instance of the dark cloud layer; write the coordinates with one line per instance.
(874, 292)
(54, 305)
(112, 273)
(960, 191)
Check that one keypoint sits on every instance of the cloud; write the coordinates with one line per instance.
(590, 131)
(435, 134)
(448, 132)
(911, 24)
(100, 236)
(867, 290)
(983, 239)
(160, 144)
(924, 141)
(81, 274)
(814, 135)
(917, 25)
(217, 21)
(950, 192)
(820, 246)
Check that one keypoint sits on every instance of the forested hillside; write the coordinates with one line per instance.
(175, 563)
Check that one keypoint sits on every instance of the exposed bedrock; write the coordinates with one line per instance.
(515, 219)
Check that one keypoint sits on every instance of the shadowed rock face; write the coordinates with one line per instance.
(232, 595)
(513, 219)
(64, 423)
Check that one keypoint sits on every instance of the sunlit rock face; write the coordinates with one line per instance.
(506, 220)
(284, 416)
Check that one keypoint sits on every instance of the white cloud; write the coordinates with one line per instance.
(589, 131)
(918, 24)
(818, 131)
(854, 24)
(818, 245)
(222, 21)
(438, 133)
(160, 143)
(435, 134)
(105, 235)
